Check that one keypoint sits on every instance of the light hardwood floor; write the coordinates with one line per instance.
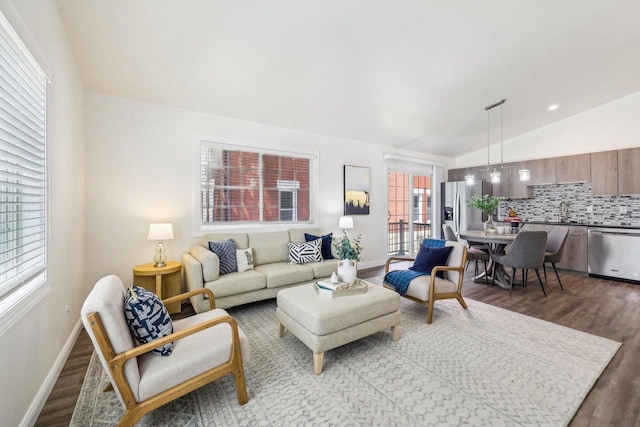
(606, 308)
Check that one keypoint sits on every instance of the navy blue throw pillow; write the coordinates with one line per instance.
(326, 243)
(431, 257)
(226, 252)
(148, 318)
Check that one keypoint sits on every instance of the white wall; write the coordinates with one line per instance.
(611, 126)
(30, 349)
(140, 171)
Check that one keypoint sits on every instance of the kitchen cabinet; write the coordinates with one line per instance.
(628, 168)
(543, 171)
(570, 169)
(604, 173)
(575, 255)
(501, 188)
(455, 175)
(516, 189)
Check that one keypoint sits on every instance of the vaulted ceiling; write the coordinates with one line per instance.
(415, 74)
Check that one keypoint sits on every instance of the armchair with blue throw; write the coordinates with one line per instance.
(437, 273)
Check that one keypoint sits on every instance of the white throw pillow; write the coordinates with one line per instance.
(244, 258)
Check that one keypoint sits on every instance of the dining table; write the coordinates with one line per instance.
(495, 243)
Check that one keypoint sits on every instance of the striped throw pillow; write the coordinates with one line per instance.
(300, 253)
(226, 252)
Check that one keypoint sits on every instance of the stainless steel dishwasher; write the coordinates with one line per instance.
(614, 252)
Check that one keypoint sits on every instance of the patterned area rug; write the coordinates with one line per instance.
(476, 367)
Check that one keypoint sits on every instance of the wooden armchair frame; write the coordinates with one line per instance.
(135, 410)
(432, 295)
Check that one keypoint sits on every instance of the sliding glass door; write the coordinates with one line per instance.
(409, 211)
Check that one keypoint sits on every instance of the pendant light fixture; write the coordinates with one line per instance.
(495, 174)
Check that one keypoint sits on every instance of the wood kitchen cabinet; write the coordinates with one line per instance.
(570, 169)
(516, 189)
(575, 255)
(604, 173)
(502, 188)
(543, 171)
(455, 175)
(629, 172)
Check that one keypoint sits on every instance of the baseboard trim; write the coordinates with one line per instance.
(36, 406)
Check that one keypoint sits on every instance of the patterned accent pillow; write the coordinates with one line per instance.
(299, 253)
(244, 258)
(148, 318)
(327, 239)
(226, 252)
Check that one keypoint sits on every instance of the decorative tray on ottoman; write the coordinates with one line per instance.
(326, 289)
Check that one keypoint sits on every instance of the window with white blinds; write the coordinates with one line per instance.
(250, 185)
(23, 189)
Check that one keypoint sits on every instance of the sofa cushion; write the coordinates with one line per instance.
(226, 252)
(237, 283)
(208, 260)
(269, 247)
(301, 253)
(296, 235)
(283, 274)
(324, 268)
(148, 318)
(244, 258)
(327, 241)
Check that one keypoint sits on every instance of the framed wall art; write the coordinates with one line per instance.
(356, 190)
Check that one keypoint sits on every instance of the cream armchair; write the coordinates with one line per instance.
(206, 346)
(427, 289)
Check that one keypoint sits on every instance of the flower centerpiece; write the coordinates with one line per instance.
(488, 205)
(348, 250)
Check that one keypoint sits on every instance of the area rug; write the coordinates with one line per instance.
(476, 367)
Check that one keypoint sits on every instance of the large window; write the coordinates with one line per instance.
(249, 185)
(23, 190)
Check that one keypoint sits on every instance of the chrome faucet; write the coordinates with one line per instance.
(564, 211)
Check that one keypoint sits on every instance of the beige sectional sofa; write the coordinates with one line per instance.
(271, 273)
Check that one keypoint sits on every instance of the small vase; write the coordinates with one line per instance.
(489, 225)
(347, 271)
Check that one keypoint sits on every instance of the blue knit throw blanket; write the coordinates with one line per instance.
(400, 279)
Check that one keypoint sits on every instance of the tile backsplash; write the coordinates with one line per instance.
(582, 206)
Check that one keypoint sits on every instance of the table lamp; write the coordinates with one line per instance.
(160, 232)
(345, 222)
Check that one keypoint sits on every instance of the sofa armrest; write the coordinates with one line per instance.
(209, 261)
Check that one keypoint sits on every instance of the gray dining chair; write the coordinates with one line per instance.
(527, 252)
(474, 253)
(555, 247)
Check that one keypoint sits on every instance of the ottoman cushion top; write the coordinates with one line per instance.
(322, 316)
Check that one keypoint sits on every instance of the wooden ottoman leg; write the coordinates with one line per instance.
(395, 332)
(317, 362)
(280, 330)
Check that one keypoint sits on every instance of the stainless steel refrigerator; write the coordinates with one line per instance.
(455, 211)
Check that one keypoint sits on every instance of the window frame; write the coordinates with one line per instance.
(314, 160)
(20, 299)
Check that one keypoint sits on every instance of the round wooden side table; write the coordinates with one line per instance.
(164, 281)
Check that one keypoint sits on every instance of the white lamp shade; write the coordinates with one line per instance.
(345, 222)
(160, 232)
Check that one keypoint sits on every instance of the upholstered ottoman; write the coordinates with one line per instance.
(324, 323)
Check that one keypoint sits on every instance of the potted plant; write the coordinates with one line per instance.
(348, 250)
(488, 205)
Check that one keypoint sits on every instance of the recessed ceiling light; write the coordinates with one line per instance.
(552, 107)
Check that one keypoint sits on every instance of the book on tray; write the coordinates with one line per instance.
(325, 284)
